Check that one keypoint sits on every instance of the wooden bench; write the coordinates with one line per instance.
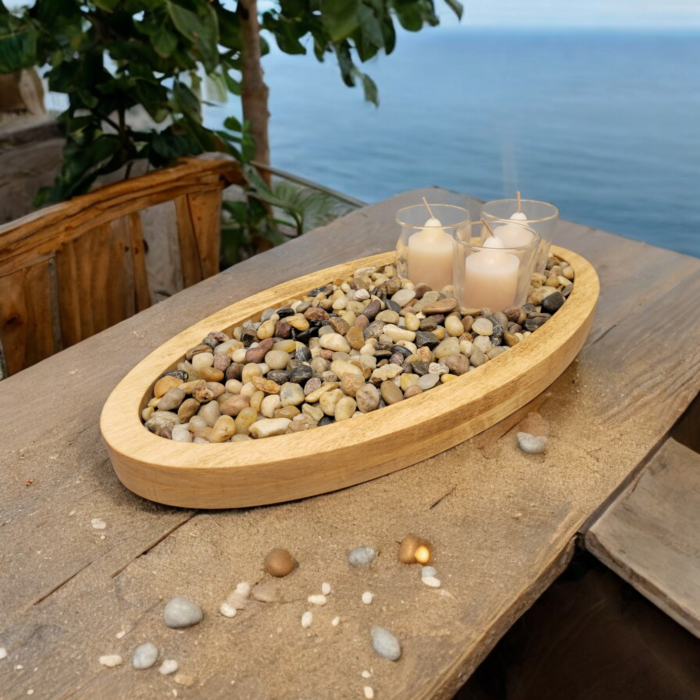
(503, 523)
(77, 268)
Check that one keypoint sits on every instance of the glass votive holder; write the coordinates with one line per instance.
(541, 216)
(487, 274)
(424, 249)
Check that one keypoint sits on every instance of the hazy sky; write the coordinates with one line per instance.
(660, 14)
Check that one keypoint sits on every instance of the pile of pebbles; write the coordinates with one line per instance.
(350, 347)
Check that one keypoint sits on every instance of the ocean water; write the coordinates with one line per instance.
(605, 125)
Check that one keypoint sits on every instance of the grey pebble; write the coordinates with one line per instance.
(532, 444)
(385, 644)
(361, 556)
(180, 612)
(145, 655)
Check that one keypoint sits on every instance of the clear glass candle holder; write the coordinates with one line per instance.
(492, 277)
(541, 216)
(424, 250)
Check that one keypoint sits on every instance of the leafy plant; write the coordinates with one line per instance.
(110, 56)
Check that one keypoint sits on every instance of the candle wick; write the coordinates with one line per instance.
(427, 206)
(517, 194)
(488, 228)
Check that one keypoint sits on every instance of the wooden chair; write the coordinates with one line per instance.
(76, 268)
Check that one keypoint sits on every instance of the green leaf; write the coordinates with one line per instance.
(163, 41)
(456, 7)
(18, 49)
(186, 102)
(232, 124)
(202, 31)
(370, 88)
(340, 18)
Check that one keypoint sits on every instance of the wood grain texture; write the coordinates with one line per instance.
(26, 330)
(289, 467)
(648, 536)
(502, 526)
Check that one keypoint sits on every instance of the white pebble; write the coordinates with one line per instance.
(111, 660)
(428, 572)
(19, 667)
(532, 444)
(366, 674)
(145, 656)
(367, 597)
(120, 634)
(227, 610)
(317, 599)
(335, 621)
(307, 618)
(369, 693)
(168, 666)
(325, 588)
(431, 581)
(385, 643)
(3, 653)
(30, 692)
(98, 523)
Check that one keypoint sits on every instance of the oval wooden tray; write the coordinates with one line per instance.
(308, 463)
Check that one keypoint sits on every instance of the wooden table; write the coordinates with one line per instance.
(503, 523)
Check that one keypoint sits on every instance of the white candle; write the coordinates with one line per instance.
(430, 256)
(513, 235)
(491, 277)
(519, 216)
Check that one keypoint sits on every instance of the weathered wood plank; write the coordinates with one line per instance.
(95, 281)
(502, 525)
(26, 327)
(142, 292)
(190, 261)
(205, 214)
(648, 536)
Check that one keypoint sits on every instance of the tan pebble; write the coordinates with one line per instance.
(328, 400)
(249, 371)
(256, 400)
(209, 374)
(223, 429)
(287, 412)
(184, 679)
(165, 384)
(234, 405)
(269, 427)
(197, 350)
(233, 386)
(244, 420)
(266, 330)
(413, 390)
(202, 361)
(445, 378)
(202, 433)
(149, 410)
(407, 549)
(454, 326)
(439, 332)
(265, 385)
(216, 388)
(314, 396)
(269, 405)
(408, 380)
(279, 563)
(351, 383)
(298, 322)
(188, 408)
(345, 408)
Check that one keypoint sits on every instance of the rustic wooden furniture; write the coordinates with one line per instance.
(648, 536)
(296, 466)
(76, 268)
(502, 523)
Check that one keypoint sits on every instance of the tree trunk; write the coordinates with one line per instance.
(254, 92)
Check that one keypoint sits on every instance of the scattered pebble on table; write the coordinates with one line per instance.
(431, 581)
(369, 692)
(98, 524)
(111, 660)
(145, 656)
(367, 597)
(317, 599)
(532, 444)
(326, 588)
(366, 674)
(279, 563)
(180, 612)
(335, 621)
(167, 667)
(385, 643)
(306, 619)
(361, 556)
(3, 653)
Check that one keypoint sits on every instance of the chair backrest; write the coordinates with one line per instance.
(76, 268)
